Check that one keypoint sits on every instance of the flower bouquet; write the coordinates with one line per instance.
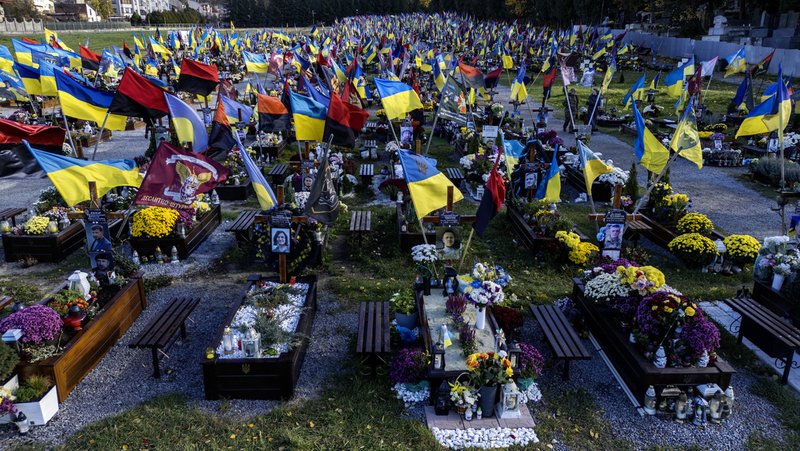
(694, 249)
(579, 251)
(742, 249)
(695, 223)
(462, 396)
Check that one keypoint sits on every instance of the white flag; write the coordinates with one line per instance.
(708, 67)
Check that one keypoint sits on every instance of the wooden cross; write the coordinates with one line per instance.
(94, 202)
(295, 219)
(462, 219)
(617, 202)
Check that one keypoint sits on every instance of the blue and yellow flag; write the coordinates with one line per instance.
(86, 103)
(71, 176)
(397, 98)
(550, 188)
(673, 81)
(159, 47)
(188, 125)
(736, 63)
(770, 115)
(266, 198)
(518, 90)
(47, 78)
(29, 76)
(438, 76)
(650, 152)
(593, 167)
(427, 186)
(309, 117)
(688, 67)
(255, 63)
(6, 59)
(686, 140)
(635, 93)
(232, 109)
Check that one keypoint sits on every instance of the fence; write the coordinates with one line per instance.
(705, 50)
(21, 27)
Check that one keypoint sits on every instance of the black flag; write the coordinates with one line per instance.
(323, 202)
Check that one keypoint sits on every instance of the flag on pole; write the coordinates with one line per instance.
(593, 167)
(492, 200)
(650, 152)
(309, 117)
(427, 186)
(264, 194)
(762, 66)
(770, 115)
(397, 98)
(188, 125)
(708, 67)
(86, 103)
(686, 140)
(736, 63)
(635, 93)
(550, 188)
(518, 90)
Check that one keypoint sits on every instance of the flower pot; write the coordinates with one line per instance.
(777, 281)
(41, 411)
(461, 410)
(409, 321)
(426, 286)
(488, 399)
(480, 319)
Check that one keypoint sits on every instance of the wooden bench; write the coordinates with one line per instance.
(361, 222)
(241, 226)
(11, 214)
(634, 229)
(455, 175)
(373, 342)
(278, 173)
(366, 171)
(158, 334)
(561, 336)
(771, 333)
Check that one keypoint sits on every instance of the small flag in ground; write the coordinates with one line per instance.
(492, 200)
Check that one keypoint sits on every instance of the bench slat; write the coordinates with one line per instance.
(171, 327)
(150, 330)
(549, 334)
(767, 320)
(562, 337)
(159, 331)
(362, 317)
(370, 342)
(378, 331)
(386, 343)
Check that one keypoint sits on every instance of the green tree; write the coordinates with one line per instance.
(21, 10)
(136, 19)
(103, 8)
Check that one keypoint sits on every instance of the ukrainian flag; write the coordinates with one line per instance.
(736, 63)
(232, 109)
(649, 150)
(686, 140)
(50, 36)
(508, 62)
(266, 198)
(188, 125)
(610, 71)
(593, 167)
(309, 117)
(635, 93)
(88, 104)
(397, 98)
(550, 187)
(23, 51)
(71, 176)
(47, 78)
(438, 76)
(12, 83)
(427, 186)
(770, 115)
(255, 63)
(158, 47)
(688, 67)
(518, 90)
(30, 78)
(673, 81)
(6, 60)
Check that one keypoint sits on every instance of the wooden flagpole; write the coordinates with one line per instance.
(658, 179)
(100, 134)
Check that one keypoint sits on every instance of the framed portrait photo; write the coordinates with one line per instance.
(280, 240)
(448, 243)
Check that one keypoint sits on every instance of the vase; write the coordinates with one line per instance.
(461, 410)
(488, 399)
(480, 318)
(409, 321)
(777, 281)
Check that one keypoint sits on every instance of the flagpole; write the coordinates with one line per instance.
(594, 110)
(466, 249)
(69, 134)
(655, 182)
(100, 134)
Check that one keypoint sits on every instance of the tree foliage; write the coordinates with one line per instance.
(21, 10)
(103, 8)
(168, 17)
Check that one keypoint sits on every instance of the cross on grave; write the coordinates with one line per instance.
(633, 222)
(293, 219)
(450, 218)
(95, 213)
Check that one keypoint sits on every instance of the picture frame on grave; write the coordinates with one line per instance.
(614, 230)
(448, 243)
(280, 240)
(489, 134)
(406, 135)
(531, 180)
(308, 182)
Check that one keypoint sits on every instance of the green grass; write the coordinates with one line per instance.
(98, 40)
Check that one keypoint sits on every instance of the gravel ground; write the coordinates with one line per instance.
(123, 378)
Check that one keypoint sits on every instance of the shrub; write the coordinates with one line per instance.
(530, 361)
(693, 249)
(33, 388)
(770, 169)
(742, 249)
(695, 223)
(38, 323)
(8, 360)
(408, 366)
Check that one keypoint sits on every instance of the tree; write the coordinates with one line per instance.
(136, 19)
(21, 10)
(103, 8)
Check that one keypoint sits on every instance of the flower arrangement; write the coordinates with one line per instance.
(154, 222)
(550, 138)
(462, 395)
(36, 225)
(604, 287)
(467, 336)
(409, 365)
(425, 256)
(456, 305)
(531, 361)
(579, 251)
(235, 164)
(617, 177)
(643, 280)
(742, 249)
(38, 323)
(776, 257)
(693, 249)
(489, 368)
(485, 294)
(412, 393)
(403, 302)
(695, 223)
(7, 402)
(381, 114)
(64, 299)
(676, 204)
(717, 136)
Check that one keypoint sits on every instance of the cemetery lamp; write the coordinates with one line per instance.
(78, 282)
(438, 357)
(514, 352)
(21, 421)
(650, 401)
(52, 227)
(5, 226)
(63, 223)
(214, 197)
(509, 401)
(681, 408)
(441, 404)
(227, 341)
(11, 337)
(251, 343)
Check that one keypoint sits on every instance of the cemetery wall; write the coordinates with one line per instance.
(678, 48)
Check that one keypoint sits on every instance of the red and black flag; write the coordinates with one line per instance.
(344, 122)
(221, 136)
(89, 59)
(492, 200)
(197, 78)
(471, 76)
(138, 97)
(14, 154)
(286, 97)
(763, 66)
(126, 50)
(491, 79)
(273, 116)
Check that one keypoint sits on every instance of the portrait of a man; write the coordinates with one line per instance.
(612, 243)
(98, 240)
(448, 244)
